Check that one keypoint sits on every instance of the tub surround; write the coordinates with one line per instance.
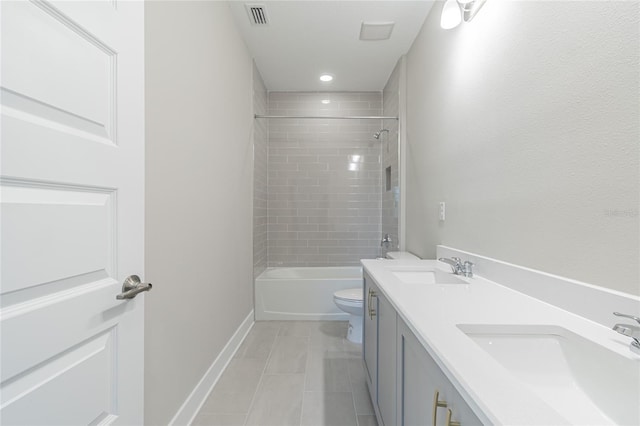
(435, 312)
(304, 293)
(324, 180)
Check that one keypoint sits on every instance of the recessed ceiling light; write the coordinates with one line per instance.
(325, 101)
(326, 78)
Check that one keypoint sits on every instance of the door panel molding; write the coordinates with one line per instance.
(84, 98)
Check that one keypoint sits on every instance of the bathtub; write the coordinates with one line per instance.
(303, 293)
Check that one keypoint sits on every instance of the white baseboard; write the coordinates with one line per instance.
(199, 394)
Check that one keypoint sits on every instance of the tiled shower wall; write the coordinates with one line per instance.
(324, 180)
(391, 195)
(260, 134)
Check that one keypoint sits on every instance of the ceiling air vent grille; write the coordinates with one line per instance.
(257, 14)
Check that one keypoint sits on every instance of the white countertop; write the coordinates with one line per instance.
(433, 312)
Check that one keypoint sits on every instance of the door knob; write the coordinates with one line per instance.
(132, 286)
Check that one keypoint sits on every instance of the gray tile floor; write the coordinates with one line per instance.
(298, 373)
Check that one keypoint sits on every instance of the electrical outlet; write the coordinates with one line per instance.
(441, 211)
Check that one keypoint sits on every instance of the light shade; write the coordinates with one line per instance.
(451, 16)
(326, 78)
(470, 8)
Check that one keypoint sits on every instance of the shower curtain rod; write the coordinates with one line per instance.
(331, 117)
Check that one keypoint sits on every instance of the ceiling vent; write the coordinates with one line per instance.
(376, 30)
(257, 14)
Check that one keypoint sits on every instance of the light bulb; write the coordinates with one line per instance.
(451, 16)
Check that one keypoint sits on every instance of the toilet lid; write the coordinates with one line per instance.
(354, 294)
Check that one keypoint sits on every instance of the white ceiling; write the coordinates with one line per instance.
(307, 38)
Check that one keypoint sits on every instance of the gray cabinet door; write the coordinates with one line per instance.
(414, 386)
(386, 361)
(370, 337)
(419, 379)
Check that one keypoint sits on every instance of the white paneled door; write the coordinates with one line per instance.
(72, 218)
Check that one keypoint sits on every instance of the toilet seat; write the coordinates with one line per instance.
(349, 295)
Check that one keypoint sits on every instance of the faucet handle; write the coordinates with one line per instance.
(468, 268)
(618, 314)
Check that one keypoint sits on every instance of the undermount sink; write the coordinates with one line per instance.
(426, 276)
(583, 381)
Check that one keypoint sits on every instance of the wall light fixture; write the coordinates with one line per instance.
(454, 11)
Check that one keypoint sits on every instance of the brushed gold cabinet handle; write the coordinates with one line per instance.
(372, 312)
(437, 403)
(449, 422)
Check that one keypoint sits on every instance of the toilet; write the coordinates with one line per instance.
(350, 301)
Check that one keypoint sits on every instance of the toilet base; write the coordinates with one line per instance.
(354, 334)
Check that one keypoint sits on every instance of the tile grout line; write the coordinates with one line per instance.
(304, 384)
(353, 398)
(340, 351)
(347, 357)
(255, 392)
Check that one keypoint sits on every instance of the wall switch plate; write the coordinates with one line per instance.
(441, 211)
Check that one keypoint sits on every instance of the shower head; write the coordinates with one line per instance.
(379, 132)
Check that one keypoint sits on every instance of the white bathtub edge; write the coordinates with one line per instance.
(287, 316)
(303, 293)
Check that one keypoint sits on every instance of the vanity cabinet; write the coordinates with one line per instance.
(406, 385)
(379, 347)
(427, 397)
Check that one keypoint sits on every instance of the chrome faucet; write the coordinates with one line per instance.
(386, 241)
(458, 267)
(629, 330)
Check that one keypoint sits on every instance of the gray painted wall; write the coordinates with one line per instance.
(526, 123)
(199, 175)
